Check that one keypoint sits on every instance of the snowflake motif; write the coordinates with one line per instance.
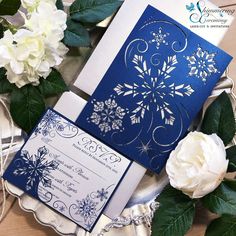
(37, 131)
(36, 168)
(50, 121)
(88, 225)
(202, 64)
(151, 90)
(62, 208)
(144, 148)
(159, 38)
(108, 115)
(102, 194)
(86, 208)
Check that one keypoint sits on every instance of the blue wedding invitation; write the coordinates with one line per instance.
(143, 106)
(154, 88)
(67, 169)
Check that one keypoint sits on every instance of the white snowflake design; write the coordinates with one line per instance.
(159, 38)
(202, 64)
(151, 90)
(144, 148)
(108, 115)
(36, 168)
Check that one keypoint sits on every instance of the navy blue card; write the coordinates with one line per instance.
(154, 88)
(67, 169)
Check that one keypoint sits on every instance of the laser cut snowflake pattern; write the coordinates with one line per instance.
(202, 64)
(151, 91)
(144, 148)
(36, 168)
(108, 115)
(159, 38)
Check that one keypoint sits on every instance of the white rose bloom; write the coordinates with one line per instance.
(31, 5)
(198, 164)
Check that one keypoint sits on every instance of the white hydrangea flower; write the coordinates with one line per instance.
(6, 49)
(34, 49)
(27, 57)
(49, 22)
(31, 5)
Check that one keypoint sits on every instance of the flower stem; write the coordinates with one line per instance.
(7, 25)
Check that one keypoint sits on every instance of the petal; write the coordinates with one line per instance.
(17, 67)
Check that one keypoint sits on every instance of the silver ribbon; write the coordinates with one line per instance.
(4, 157)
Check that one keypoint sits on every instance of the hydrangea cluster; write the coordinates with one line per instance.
(32, 5)
(36, 47)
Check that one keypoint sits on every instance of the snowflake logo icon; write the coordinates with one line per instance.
(202, 64)
(36, 168)
(151, 90)
(159, 38)
(86, 208)
(108, 115)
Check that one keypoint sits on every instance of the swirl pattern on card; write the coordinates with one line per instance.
(67, 169)
(153, 89)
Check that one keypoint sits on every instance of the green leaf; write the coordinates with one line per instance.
(76, 35)
(9, 7)
(53, 85)
(223, 199)
(27, 106)
(223, 226)
(219, 119)
(93, 11)
(231, 155)
(5, 85)
(60, 5)
(175, 214)
(3, 72)
(1, 31)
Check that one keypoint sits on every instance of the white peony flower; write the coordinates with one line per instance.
(31, 5)
(198, 164)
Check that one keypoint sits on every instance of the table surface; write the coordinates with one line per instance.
(20, 223)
